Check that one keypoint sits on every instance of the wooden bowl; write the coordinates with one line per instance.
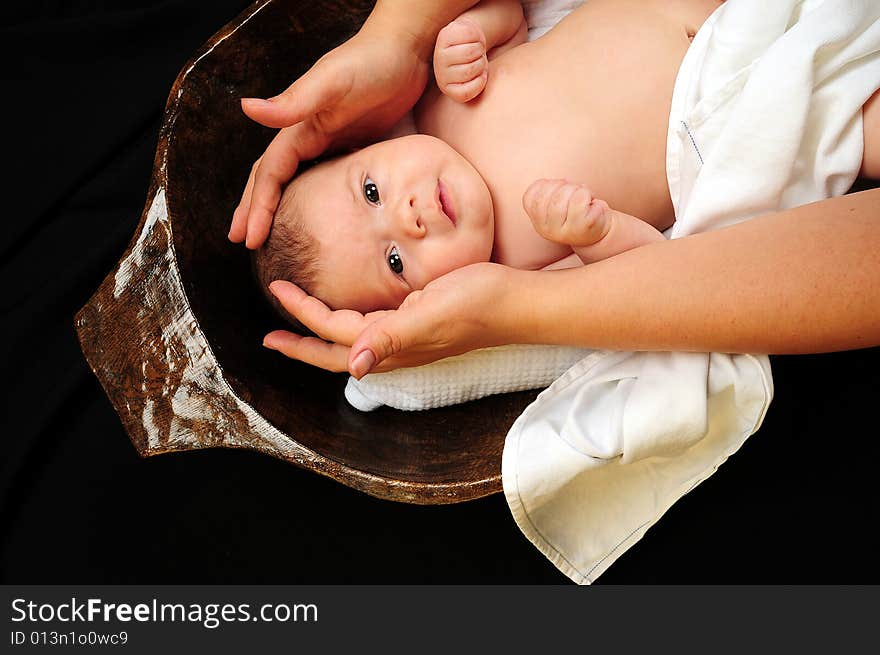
(174, 333)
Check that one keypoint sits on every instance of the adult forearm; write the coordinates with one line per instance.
(801, 280)
(421, 20)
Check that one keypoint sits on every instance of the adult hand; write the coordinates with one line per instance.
(358, 90)
(461, 311)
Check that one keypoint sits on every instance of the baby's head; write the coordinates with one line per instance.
(365, 229)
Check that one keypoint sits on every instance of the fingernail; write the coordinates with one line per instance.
(268, 344)
(363, 363)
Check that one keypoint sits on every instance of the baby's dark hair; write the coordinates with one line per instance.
(289, 253)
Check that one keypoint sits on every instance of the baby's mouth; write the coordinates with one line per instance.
(445, 201)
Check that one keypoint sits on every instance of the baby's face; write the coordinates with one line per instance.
(390, 218)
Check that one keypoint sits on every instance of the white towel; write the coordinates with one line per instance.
(541, 15)
(466, 377)
(766, 115)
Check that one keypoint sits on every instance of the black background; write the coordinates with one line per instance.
(83, 99)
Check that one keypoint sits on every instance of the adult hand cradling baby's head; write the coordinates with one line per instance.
(445, 318)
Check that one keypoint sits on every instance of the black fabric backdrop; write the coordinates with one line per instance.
(85, 87)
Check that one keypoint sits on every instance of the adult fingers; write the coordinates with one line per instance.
(276, 167)
(310, 350)
(264, 201)
(340, 326)
(329, 356)
(445, 318)
(375, 347)
(321, 87)
(238, 230)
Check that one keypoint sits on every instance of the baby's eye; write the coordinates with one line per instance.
(371, 192)
(395, 263)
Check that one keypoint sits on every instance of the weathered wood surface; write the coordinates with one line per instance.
(174, 333)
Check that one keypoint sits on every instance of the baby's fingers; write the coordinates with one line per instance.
(461, 30)
(460, 64)
(465, 72)
(538, 199)
(460, 53)
(466, 91)
(566, 213)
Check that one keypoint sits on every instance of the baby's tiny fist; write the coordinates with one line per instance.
(564, 212)
(461, 67)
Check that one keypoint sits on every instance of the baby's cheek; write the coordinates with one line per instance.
(472, 253)
(441, 264)
(463, 252)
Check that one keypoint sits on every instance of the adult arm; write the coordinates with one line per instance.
(796, 281)
(360, 89)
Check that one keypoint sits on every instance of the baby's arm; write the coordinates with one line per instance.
(568, 213)
(465, 46)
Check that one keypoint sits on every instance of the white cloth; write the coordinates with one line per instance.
(766, 115)
(466, 377)
(541, 15)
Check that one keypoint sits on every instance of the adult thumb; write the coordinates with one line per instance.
(318, 89)
(375, 344)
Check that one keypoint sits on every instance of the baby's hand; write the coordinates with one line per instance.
(461, 67)
(566, 213)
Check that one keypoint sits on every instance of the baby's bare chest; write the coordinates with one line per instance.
(588, 102)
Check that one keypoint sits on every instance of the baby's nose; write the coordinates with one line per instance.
(409, 217)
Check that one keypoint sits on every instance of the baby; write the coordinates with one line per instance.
(516, 143)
